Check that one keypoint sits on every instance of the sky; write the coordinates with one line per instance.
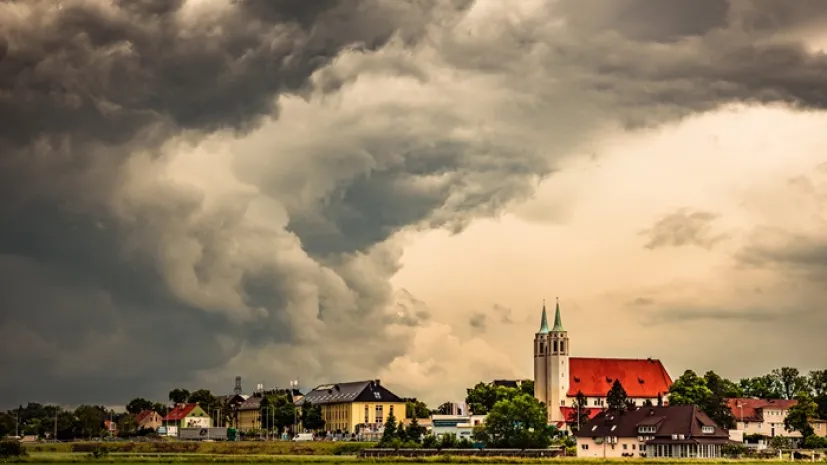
(334, 190)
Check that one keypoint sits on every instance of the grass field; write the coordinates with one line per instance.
(287, 453)
(326, 448)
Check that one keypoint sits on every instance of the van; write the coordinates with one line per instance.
(303, 437)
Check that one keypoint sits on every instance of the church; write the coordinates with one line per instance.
(558, 378)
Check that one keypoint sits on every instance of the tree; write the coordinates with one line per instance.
(311, 416)
(799, 415)
(415, 431)
(527, 387)
(781, 442)
(416, 409)
(482, 397)
(763, 387)
(7, 424)
(716, 405)
(790, 380)
(688, 389)
(178, 396)
(443, 409)
(138, 405)
(389, 433)
(616, 397)
(127, 424)
(579, 414)
(519, 422)
(90, 419)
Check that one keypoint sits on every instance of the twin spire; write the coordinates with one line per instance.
(558, 322)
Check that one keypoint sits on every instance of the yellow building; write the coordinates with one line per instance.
(359, 405)
(250, 411)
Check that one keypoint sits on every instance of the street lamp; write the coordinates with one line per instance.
(294, 385)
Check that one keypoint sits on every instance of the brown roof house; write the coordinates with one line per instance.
(671, 431)
(148, 419)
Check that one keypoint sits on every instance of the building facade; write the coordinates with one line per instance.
(461, 426)
(148, 419)
(187, 416)
(355, 406)
(559, 378)
(763, 417)
(680, 431)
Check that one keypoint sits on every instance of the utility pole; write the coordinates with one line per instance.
(54, 437)
(17, 423)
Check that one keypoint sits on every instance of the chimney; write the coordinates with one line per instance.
(376, 381)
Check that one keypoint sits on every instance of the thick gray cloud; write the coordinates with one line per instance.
(120, 279)
(683, 227)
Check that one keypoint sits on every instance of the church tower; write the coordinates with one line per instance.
(541, 359)
(558, 368)
(551, 365)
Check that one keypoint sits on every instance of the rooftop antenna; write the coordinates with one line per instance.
(237, 391)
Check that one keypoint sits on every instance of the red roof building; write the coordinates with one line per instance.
(188, 416)
(559, 378)
(641, 378)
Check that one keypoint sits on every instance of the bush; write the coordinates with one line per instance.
(733, 450)
(11, 448)
(430, 442)
(347, 449)
(99, 452)
(815, 442)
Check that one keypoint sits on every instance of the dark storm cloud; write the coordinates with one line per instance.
(682, 227)
(117, 281)
(83, 86)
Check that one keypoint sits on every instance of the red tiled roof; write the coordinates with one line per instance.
(749, 409)
(592, 411)
(639, 377)
(141, 416)
(179, 412)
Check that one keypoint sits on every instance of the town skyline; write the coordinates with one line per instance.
(347, 190)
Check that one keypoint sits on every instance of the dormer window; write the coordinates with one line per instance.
(646, 429)
(707, 429)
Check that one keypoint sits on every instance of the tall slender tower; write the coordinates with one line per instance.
(541, 359)
(557, 367)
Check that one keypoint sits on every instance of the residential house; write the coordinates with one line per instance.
(559, 378)
(148, 419)
(187, 416)
(249, 414)
(111, 427)
(360, 405)
(763, 417)
(819, 427)
(461, 426)
(673, 431)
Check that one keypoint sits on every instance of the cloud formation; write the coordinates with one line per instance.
(683, 227)
(199, 189)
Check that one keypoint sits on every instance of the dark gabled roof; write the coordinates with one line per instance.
(357, 391)
(509, 383)
(252, 403)
(674, 419)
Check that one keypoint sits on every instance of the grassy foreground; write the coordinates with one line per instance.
(195, 458)
(326, 448)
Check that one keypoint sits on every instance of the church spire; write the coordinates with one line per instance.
(543, 321)
(558, 322)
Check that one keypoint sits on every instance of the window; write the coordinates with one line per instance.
(625, 446)
(707, 429)
(367, 419)
(542, 346)
(646, 429)
(391, 410)
(555, 346)
(379, 414)
(584, 447)
(634, 446)
(563, 403)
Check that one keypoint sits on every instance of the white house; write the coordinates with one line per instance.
(462, 426)
(762, 416)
